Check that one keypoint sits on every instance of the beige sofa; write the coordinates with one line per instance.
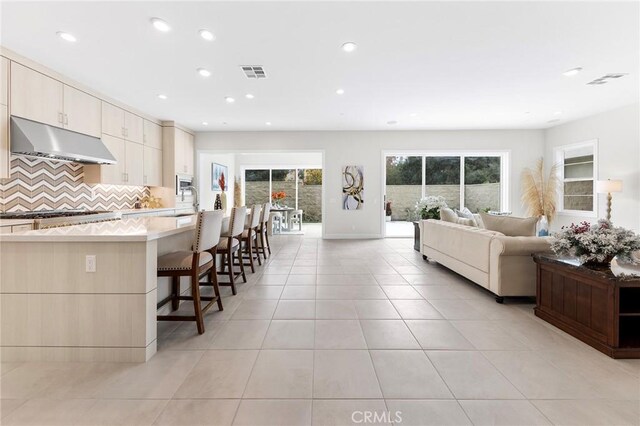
(501, 264)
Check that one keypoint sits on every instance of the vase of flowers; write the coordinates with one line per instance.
(596, 245)
(223, 195)
(278, 197)
(429, 207)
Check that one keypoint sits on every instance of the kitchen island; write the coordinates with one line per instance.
(86, 292)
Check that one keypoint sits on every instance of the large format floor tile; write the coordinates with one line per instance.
(344, 374)
(408, 374)
(341, 332)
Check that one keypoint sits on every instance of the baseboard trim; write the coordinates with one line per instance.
(352, 236)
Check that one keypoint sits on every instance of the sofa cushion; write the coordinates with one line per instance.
(510, 226)
(467, 244)
(448, 215)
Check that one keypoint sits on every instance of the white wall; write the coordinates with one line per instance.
(207, 195)
(618, 135)
(366, 149)
(277, 160)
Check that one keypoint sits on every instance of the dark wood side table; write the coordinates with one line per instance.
(592, 305)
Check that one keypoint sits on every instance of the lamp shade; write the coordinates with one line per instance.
(606, 186)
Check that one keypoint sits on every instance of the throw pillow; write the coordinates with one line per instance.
(510, 226)
(478, 219)
(448, 215)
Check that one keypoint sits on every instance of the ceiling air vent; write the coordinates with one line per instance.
(605, 78)
(253, 71)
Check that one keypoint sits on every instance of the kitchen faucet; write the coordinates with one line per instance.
(196, 203)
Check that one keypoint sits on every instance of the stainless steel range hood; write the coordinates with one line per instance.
(35, 139)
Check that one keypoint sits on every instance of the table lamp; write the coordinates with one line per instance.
(607, 187)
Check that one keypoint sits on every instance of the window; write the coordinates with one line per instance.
(578, 174)
(303, 189)
(476, 180)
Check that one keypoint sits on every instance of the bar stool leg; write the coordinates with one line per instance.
(249, 251)
(213, 278)
(232, 274)
(195, 291)
(175, 293)
(268, 244)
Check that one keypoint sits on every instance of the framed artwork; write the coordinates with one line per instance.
(218, 170)
(352, 188)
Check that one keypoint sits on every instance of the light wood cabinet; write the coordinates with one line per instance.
(112, 120)
(120, 123)
(82, 112)
(129, 168)
(184, 152)
(5, 166)
(133, 128)
(134, 163)
(152, 135)
(4, 81)
(35, 96)
(152, 166)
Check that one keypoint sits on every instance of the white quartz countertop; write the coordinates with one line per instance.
(135, 229)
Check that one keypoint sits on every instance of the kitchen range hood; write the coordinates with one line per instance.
(40, 140)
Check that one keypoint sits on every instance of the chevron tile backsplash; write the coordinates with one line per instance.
(37, 184)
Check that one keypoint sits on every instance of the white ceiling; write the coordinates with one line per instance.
(476, 65)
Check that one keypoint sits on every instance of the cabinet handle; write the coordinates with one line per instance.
(124, 177)
(60, 115)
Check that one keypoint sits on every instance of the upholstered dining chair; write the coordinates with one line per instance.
(229, 249)
(263, 236)
(250, 238)
(199, 261)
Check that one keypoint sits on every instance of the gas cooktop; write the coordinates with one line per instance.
(49, 214)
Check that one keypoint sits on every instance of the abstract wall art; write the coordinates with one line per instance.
(352, 188)
(217, 171)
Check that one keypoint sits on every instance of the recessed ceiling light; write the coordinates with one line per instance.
(413, 114)
(161, 96)
(340, 91)
(204, 123)
(572, 72)
(249, 96)
(66, 36)
(392, 122)
(204, 72)
(160, 25)
(557, 113)
(229, 99)
(349, 46)
(268, 123)
(207, 35)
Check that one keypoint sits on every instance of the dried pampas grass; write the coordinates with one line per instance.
(540, 195)
(237, 193)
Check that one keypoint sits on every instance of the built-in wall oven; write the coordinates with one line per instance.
(184, 182)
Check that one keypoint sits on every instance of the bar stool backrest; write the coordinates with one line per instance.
(264, 215)
(254, 220)
(208, 230)
(236, 225)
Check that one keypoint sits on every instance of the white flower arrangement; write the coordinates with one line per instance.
(429, 207)
(598, 243)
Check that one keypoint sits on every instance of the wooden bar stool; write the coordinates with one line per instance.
(263, 241)
(195, 263)
(250, 238)
(229, 248)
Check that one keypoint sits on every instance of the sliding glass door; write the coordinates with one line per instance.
(302, 189)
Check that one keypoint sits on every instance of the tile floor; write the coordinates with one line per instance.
(337, 332)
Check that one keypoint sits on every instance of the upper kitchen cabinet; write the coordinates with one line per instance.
(4, 81)
(114, 174)
(82, 112)
(184, 152)
(112, 120)
(120, 123)
(177, 153)
(133, 128)
(5, 167)
(152, 135)
(35, 96)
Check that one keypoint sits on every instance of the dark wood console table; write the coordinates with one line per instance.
(592, 305)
